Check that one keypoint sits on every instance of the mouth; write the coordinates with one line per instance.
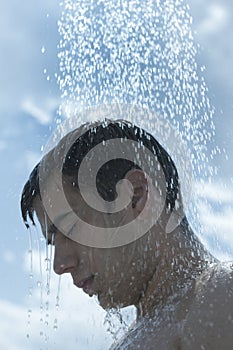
(85, 284)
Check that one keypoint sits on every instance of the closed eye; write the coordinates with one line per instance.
(51, 233)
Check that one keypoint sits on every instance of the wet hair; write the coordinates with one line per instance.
(113, 171)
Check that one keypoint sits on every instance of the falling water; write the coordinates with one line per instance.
(137, 52)
(142, 53)
(40, 257)
(30, 287)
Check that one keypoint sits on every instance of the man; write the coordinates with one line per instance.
(108, 198)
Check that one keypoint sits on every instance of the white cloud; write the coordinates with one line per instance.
(214, 30)
(44, 114)
(217, 192)
(215, 209)
(80, 322)
(79, 325)
(216, 19)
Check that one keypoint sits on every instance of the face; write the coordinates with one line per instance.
(118, 276)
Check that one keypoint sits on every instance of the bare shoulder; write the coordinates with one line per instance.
(204, 321)
(160, 332)
(150, 338)
(209, 323)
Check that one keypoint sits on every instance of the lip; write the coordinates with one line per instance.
(85, 283)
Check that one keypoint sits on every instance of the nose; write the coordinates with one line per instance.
(65, 261)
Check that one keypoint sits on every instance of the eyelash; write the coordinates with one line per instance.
(50, 241)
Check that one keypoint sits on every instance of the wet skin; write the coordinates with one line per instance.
(182, 302)
(180, 305)
(107, 272)
(183, 296)
(199, 318)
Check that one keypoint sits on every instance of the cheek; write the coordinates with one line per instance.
(121, 269)
(118, 263)
(106, 263)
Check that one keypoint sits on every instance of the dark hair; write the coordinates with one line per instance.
(113, 170)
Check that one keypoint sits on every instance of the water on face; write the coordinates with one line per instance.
(142, 53)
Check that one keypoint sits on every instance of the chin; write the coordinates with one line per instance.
(109, 302)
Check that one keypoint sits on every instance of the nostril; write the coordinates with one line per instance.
(64, 261)
(60, 268)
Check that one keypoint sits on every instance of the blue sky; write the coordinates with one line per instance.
(29, 99)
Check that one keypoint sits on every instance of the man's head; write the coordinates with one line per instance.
(125, 152)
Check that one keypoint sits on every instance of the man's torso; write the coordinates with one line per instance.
(202, 319)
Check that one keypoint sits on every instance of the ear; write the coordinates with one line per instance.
(140, 189)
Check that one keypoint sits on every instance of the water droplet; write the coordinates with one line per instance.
(55, 326)
(39, 284)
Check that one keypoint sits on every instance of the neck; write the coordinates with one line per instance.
(183, 259)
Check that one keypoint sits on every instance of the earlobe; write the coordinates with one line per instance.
(139, 182)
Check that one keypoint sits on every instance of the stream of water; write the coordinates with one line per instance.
(139, 53)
